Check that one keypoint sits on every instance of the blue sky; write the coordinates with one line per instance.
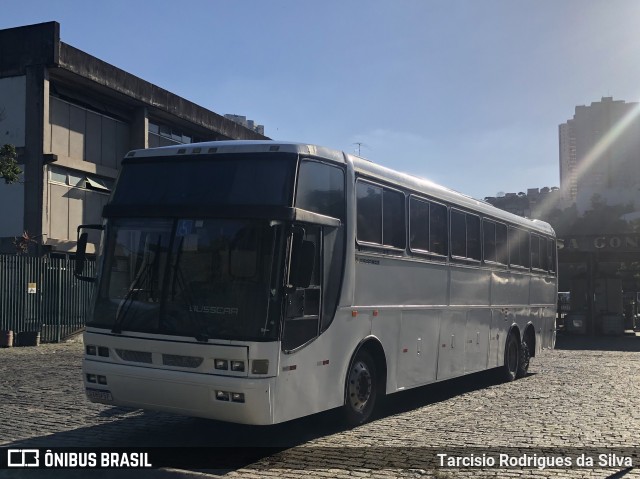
(468, 93)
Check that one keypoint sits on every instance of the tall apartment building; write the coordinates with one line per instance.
(72, 118)
(600, 154)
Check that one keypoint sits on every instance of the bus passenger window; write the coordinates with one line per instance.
(369, 204)
(502, 251)
(473, 237)
(381, 214)
(514, 248)
(525, 248)
(465, 235)
(438, 229)
(428, 226)
(393, 229)
(489, 240)
(535, 252)
(551, 255)
(519, 251)
(419, 224)
(458, 234)
(544, 257)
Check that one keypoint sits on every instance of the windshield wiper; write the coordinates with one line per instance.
(187, 297)
(124, 306)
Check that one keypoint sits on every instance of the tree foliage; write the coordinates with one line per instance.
(9, 169)
(23, 242)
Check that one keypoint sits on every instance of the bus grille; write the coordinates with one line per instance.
(135, 356)
(181, 361)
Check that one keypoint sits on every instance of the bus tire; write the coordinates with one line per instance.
(525, 359)
(511, 358)
(361, 389)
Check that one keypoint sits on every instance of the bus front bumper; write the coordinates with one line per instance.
(247, 400)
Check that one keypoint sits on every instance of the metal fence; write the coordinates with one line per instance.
(42, 295)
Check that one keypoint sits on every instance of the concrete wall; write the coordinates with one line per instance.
(85, 135)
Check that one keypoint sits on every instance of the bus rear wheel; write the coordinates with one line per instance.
(511, 358)
(525, 359)
(361, 389)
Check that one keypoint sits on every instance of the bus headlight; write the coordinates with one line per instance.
(237, 397)
(222, 395)
(237, 365)
(221, 364)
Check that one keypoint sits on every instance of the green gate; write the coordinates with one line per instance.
(42, 295)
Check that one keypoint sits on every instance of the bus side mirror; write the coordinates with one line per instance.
(81, 252)
(303, 256)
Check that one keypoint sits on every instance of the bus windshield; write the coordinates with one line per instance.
(207, 180)
(206, 278)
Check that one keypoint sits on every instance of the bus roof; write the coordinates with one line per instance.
(361, 165)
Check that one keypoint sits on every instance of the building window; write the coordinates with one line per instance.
(80, 180)
(165, 135)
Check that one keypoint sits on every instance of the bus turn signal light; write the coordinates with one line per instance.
(260, 366)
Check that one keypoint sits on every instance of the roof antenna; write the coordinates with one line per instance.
(360, 145)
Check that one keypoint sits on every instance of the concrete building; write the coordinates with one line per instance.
(246, 123)
(535, 203)
(600, 155)
(72, 117)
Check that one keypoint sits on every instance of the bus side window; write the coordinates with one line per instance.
(369, 199)
(514, 248)
(473, 237)
(321, 189)
(502, 250)
(519, 248)
(544, 256)
(438, 229)
(418, 224)
(489, 240)
(427, 226)
(551, 254)
(535, 252)
(303, 303)
(393, 229)
(465, 235)
(458, 234)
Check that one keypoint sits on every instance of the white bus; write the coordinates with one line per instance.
(258, 282)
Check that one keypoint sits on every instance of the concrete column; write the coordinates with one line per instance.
(34, 201)
(140, 129)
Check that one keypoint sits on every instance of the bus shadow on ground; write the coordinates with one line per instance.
(129, 428)
(441, 391)
(628, 342)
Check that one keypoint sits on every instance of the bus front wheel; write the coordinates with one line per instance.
(361, 389)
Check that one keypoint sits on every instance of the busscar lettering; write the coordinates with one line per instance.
(367, 261)
(213, 309)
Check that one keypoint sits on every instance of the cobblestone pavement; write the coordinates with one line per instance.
(585, 394)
